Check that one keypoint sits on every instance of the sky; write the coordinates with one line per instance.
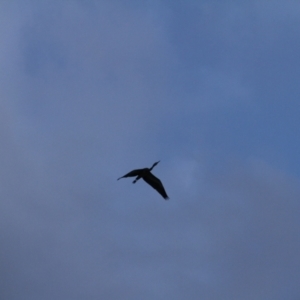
(90, 90)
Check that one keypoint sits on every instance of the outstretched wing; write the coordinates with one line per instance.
(156, 184)
(132, 173)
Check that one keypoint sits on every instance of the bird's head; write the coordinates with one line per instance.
(154, 165)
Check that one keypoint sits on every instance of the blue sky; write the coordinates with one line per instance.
(90, 90)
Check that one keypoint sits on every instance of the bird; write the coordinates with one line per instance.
(149, 178)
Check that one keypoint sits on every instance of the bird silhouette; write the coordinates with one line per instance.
(149, 178)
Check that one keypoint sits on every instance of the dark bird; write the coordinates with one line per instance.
(149, 178)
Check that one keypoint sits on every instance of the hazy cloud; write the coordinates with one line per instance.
(91, 90)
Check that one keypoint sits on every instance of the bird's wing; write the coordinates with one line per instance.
(156, 184)
(132, 173)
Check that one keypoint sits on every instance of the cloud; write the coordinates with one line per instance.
(93, 90)
(261, 244)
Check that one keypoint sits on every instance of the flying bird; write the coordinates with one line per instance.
(149, 178)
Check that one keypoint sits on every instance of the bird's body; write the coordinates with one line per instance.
(149, 178)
